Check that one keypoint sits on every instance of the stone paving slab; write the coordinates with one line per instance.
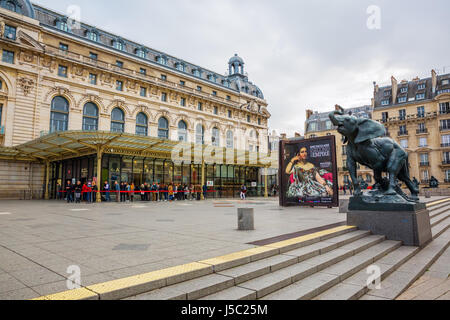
(51, 234)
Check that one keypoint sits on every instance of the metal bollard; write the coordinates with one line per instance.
(246, 219)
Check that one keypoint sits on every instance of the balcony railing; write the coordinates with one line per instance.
(402, 133)
(421, 131)
(410, 117)
(445, 128)
(444, 111)
(447, 180)
(424, 164)
(446, 162)
(445, 145)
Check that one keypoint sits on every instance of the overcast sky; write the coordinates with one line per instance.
(302, 54)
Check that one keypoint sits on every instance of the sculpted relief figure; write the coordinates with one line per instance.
(368, 146)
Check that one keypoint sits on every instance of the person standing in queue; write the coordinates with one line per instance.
(117, 189)
(106, 188)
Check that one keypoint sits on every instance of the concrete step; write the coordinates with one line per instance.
(440, 228)
(274, 281)
(440, 218)
(356, 286)
(402, 278)
(317, 283)
(437, 212)
(250, 270)
(439, 205)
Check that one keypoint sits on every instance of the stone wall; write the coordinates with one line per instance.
(21, 180)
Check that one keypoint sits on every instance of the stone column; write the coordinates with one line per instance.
(266, 190)
(202, 180)
(47, 179)
(99, 174)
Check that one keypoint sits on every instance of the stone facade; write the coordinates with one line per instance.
(319, 125)
(417, 115)
(42, 59)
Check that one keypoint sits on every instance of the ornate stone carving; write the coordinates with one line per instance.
(25, 84)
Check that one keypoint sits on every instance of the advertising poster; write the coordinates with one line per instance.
(308, 172)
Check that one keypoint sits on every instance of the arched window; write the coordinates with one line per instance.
(182, 131)
(215, 139)
(117, 120)
(163, 128)
(59, 116)
(142, 124)
(230, 139)
(11, 6)
(90, 117)
(199, 134)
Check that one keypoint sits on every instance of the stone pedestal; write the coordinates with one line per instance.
(406, 222)
(343, 206)
(246, 219)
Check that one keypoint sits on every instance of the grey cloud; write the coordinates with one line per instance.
(302, 54)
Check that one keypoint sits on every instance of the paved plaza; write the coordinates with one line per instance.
(39, 240)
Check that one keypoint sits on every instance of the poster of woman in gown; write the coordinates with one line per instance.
(309, 172)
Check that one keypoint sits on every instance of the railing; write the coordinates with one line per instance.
(445, 145)
(409, 117)
(444, 128)
(444, 111)
(420, 131)
(402, 133)
(424, 164)
(445, 162)
(447, 180)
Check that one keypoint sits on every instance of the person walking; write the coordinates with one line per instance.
(243, 192)
(344, 188)
(106, 188)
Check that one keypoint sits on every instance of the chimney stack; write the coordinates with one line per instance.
(433, 80)
(394, 89)
(309, 113)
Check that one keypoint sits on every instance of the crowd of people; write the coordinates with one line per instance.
(130, 192)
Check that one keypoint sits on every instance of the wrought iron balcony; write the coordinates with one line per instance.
(447, 180)
(445, 145)
(424, 164)
(444, 111)
(446, 162)
(402, 133)
(422, 131)
(445, 128)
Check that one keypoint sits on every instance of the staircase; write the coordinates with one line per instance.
(332, 268)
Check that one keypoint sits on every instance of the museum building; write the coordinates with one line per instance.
(80, 103)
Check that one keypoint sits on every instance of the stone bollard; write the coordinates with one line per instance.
(343, 206)
(427, 194)
(246, 219)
